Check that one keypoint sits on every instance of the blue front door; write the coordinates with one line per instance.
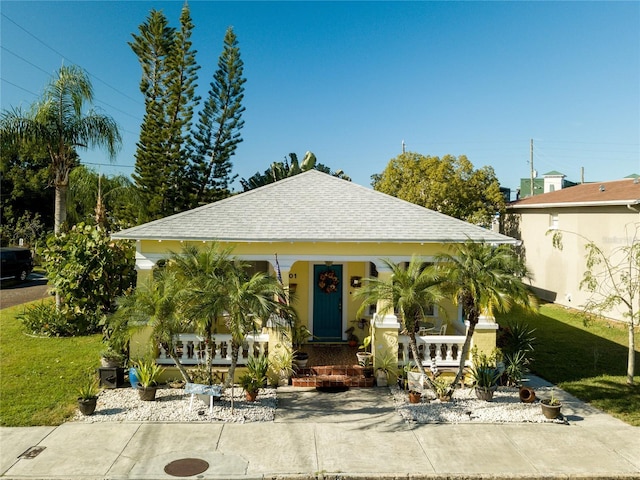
(327, 303)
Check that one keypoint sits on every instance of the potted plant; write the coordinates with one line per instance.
(281, 365)
(415, 396)
(147, 374)
(251, 386)
(299, 335)
(257, 367)
(177, 383)
(111, 370)
(110, 358)
(403, 375)
(352, 338)
(551, 407)
(441, 387)
(365, 357)
(386, 366)
(88, 396)
(484, 374)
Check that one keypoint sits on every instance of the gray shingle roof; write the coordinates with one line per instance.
(308, 207)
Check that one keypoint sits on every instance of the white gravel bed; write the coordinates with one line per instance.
(172, 405)
(465, 407)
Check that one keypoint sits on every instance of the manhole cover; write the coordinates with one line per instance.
(32, 452)
(186, 467)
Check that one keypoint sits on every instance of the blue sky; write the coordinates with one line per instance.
(351, 80)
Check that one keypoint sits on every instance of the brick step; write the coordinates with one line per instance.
(328, 376)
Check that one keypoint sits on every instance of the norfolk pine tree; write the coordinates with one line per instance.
(181, 100)
(217, 134)
(152, 46)
(168, 84)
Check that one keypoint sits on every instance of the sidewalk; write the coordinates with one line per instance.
(353, 434)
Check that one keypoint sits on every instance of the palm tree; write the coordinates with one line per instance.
(155, 304)
(104, 199)
(409, 292)
(58, 123)
(483, 278)
(203, 274)
(249, 300)
(217, 288)
(280, 170)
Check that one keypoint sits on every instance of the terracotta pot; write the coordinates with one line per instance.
(250, 396)
(527, 395)
(87, 405)
(415, 397)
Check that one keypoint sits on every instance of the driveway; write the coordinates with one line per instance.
(14, 293)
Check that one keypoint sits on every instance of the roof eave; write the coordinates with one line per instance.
(506, 240)
(611, 203)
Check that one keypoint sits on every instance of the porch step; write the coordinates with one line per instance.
(327, 376)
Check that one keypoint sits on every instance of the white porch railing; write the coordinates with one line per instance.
(443, 348)
(191, 350)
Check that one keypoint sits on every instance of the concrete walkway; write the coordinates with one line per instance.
(353, 434)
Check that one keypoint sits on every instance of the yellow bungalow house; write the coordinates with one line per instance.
(328, 235)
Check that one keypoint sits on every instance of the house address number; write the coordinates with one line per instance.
(293, 275)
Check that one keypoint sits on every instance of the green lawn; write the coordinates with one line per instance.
(588, 362)
(39, 377)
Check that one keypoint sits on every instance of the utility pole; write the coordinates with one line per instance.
(531, 164)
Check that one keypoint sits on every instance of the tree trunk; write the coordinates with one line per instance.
(414, 352)
(631, 362)
(235, 348)
(59, 217)
(472, 317)
(60, 205)
(176, 360)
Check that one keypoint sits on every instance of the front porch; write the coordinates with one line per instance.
(329, 364)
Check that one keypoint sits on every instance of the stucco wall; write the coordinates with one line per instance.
(558, 273)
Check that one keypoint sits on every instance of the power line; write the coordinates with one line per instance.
(68, 59)
(25, 60)
(18, 86)
(43, 70)
(108, 165)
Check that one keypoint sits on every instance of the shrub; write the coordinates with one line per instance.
(89, 271)
(44, 319)
(257, 366)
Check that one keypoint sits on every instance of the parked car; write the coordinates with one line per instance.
(15, 263)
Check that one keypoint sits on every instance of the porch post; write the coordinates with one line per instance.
(277, 339)
(485, 334)
(385, 326)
